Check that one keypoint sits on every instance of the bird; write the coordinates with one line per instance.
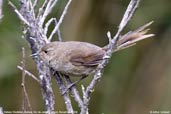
(75, 58)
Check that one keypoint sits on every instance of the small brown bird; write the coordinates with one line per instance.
(81, 58)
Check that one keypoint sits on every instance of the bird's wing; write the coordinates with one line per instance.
(89, 60)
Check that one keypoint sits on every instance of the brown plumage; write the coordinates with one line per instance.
(81, 58)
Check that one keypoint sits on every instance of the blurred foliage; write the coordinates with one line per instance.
(136, 81)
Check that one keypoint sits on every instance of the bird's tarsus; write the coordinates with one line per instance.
(69, 87)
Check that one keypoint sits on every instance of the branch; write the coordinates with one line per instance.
(58, 31)
(18, 13)
(1, 110)
(24, 92)
(35, 4)
(60, 20)
(112, 44)
(74, 91)
(47, 26)
(62, 90)
(1, 4)
(133, 5)
(29, 74)
(46, 10)
(36, 38)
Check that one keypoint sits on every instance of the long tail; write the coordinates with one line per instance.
(130, 38)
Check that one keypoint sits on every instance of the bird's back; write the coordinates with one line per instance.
(77, 58)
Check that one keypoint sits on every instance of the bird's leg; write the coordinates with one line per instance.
(70, 84)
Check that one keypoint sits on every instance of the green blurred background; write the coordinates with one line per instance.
(136, 80)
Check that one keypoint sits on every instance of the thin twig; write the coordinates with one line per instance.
(23, 83)
(60, 20)
(42, 8)
(1, 110)
(25, 94)
(58, 32)
(133, 5)
(47, 25)
(127, 16)
(1, 4)
(32, 8)
(62, 90)
(29, 73)
(35, 4)
(48, 9)
(18, 13)
(44, 5)
(74, 91)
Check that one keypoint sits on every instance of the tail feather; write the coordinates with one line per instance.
(131, 38)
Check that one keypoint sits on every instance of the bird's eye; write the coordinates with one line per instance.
(46, 51)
